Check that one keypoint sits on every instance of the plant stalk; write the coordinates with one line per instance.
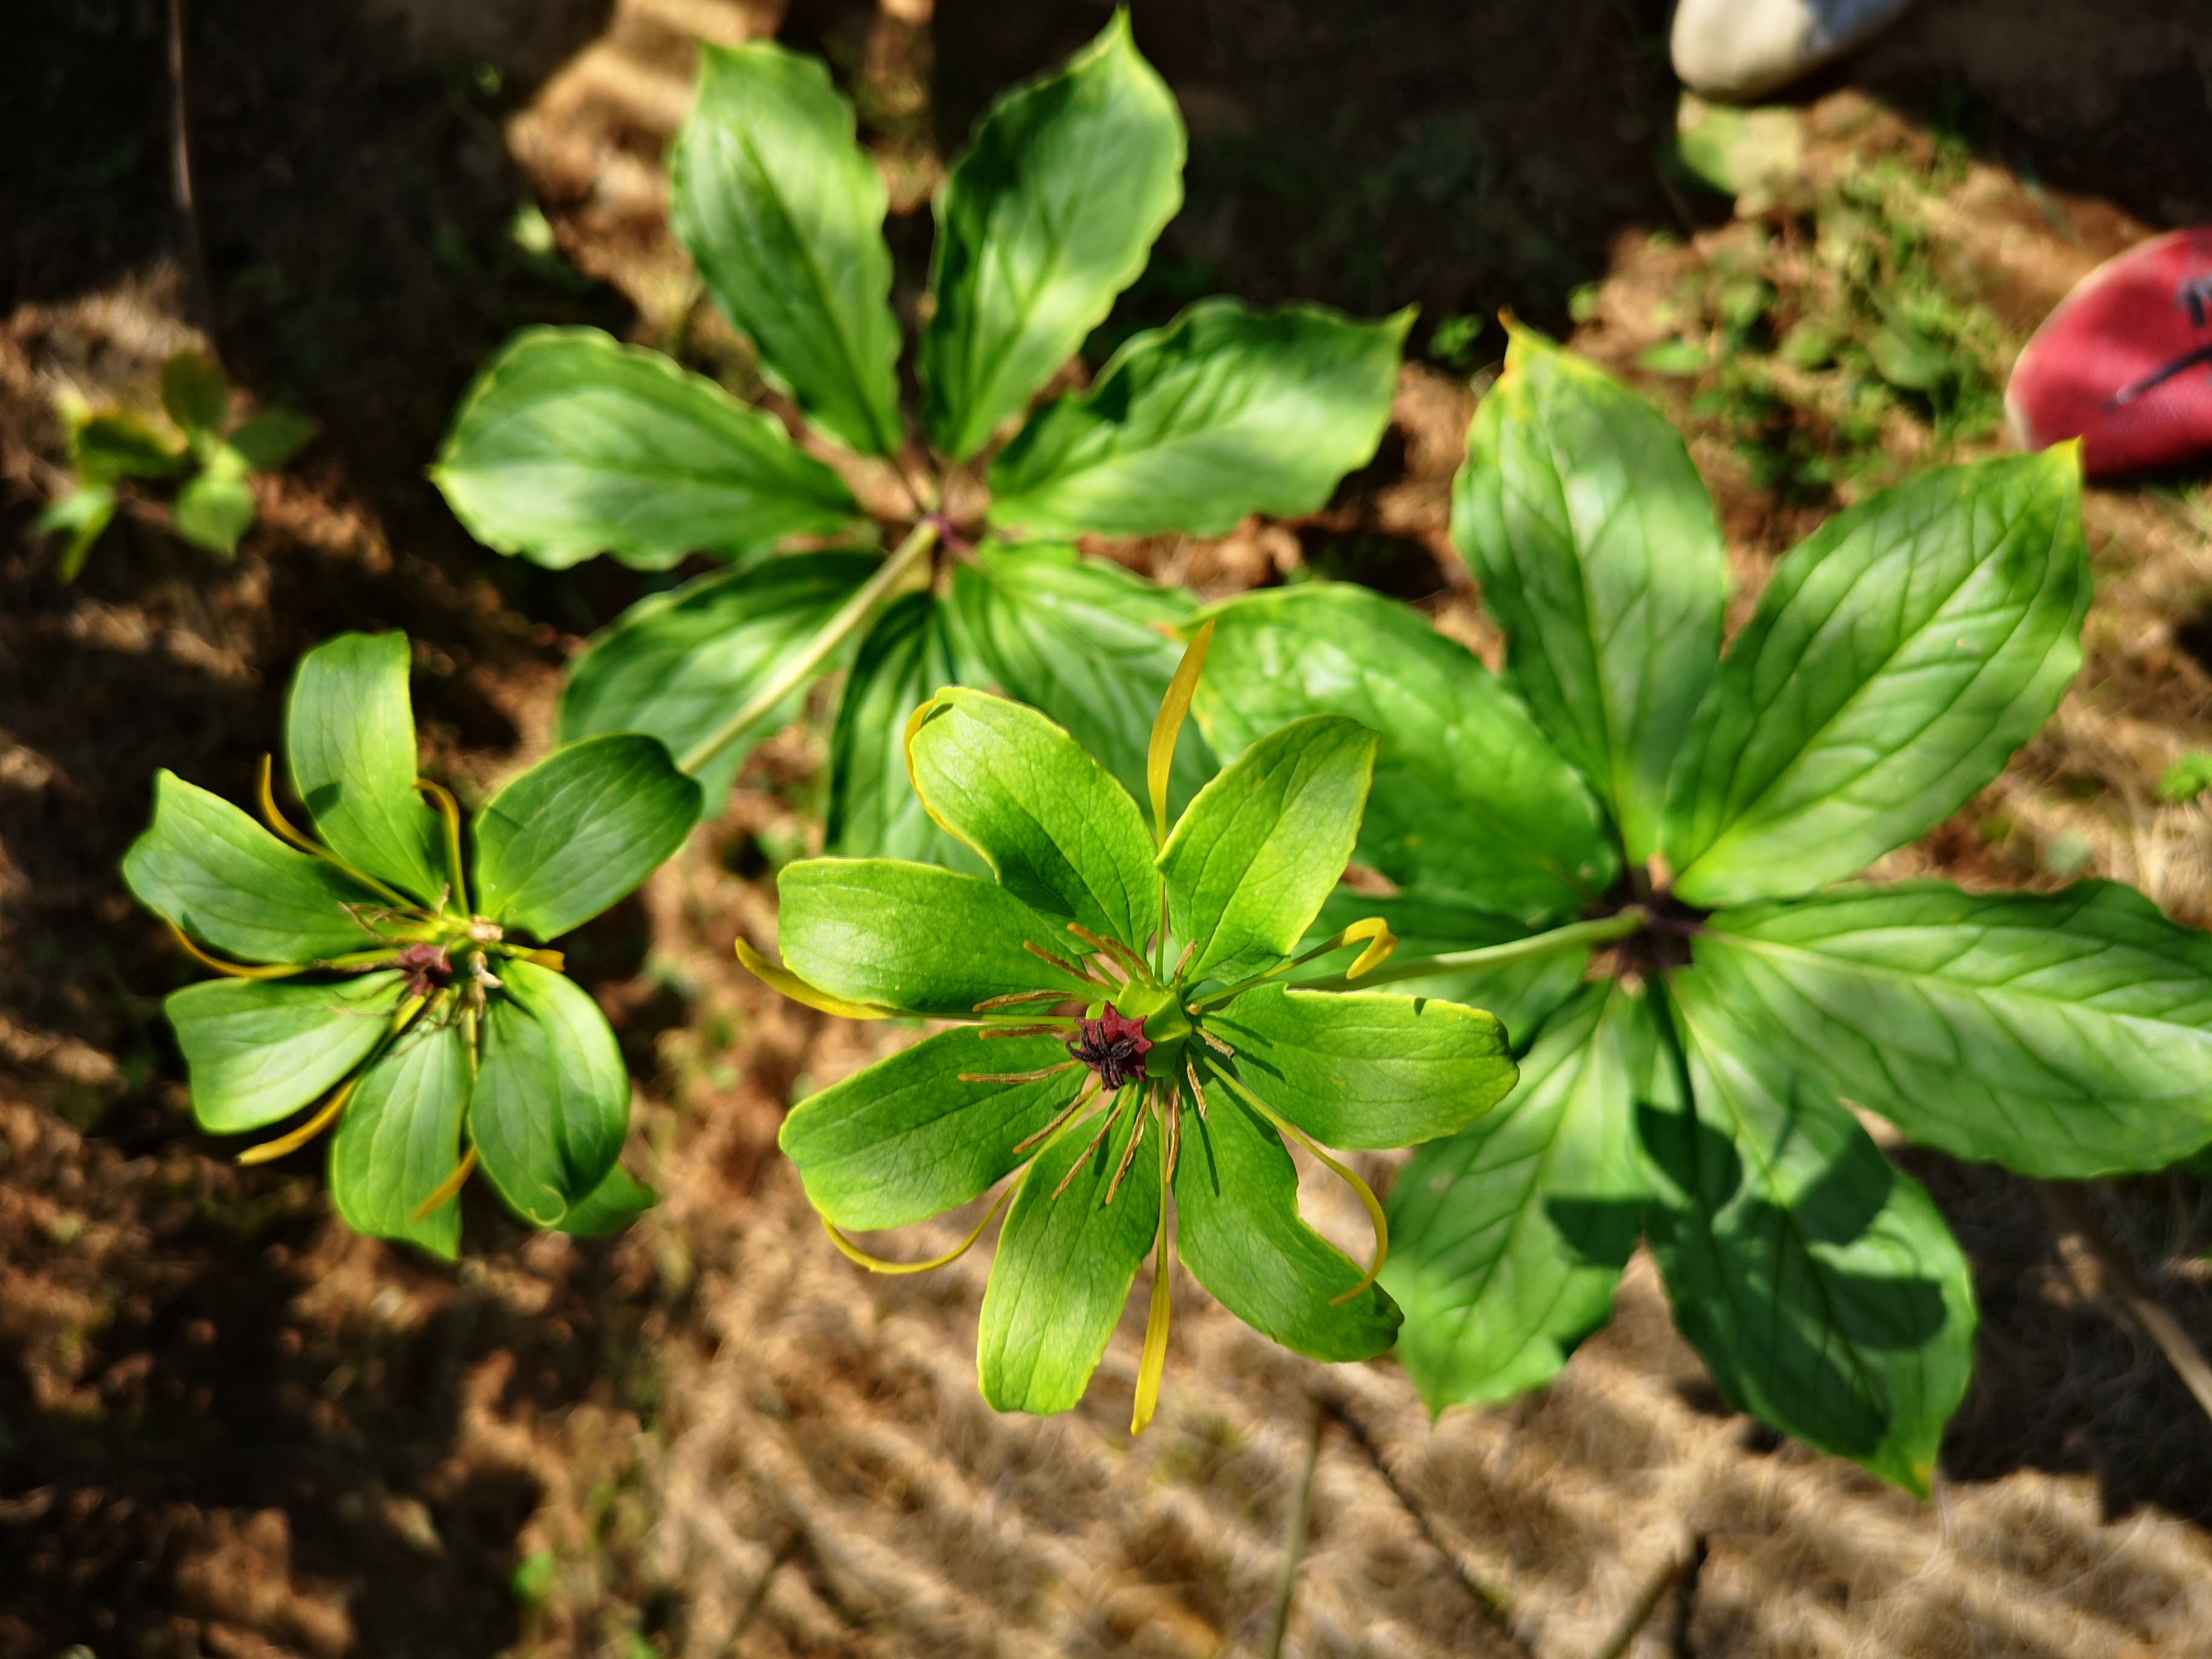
(1619, 925)
(1294, 1545)
(840, 628)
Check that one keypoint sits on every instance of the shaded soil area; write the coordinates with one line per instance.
(229, 1427)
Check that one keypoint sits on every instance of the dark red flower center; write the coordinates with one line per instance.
(1114, 1047)
(427, 968)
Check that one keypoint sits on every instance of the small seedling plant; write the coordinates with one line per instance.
(1126, 1049)
(1639, 850)
(386, 970)
(570, 444)
(216, 460)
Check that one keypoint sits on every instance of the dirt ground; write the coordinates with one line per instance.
(228, 1428)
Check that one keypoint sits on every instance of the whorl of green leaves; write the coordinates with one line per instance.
(570, 444)
(1704, 812)
(387, 964)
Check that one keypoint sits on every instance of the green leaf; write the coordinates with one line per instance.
(1894, 662)
(85, 513)
(1238, 1231)
(1045, 217)
(1250, 861)
(1225, 411)
(119, 445)
(231, 885)
(873, 810)
(1522, 994)
(271, 438)
(916, 937)
(577, 831)
(1061, 834)
(1470, 798)
(215, 506)
(552, 1103)
(1366, 1068)
(259, 1050)
(1507, 1239)
(349, 743)
(2065, 1035)
(1064, 1269)
(195, 392)
(610, 1207)
(783, 213)
(1598, 552)
(675, 666)
(399, 1139)
(907, 1138)
(570, 444)
(1821, 1285)
(1081, 638)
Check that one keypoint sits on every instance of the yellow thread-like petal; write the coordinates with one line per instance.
(449, 1189)
(1348, 1176)
(1154, 1365)
(1167, 726)
(275, 819)
(314, 849)
(552, 959)
(790, 984)
(235, 969)
(1382, 943)
(269, 1151)
(876, 1264)
(450, 810)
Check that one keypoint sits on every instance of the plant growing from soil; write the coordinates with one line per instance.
(1638, 851)
(214, 505)
(1126, 1035)
(376, 966)
(570, 444)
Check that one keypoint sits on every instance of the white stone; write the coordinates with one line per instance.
(1740, 49)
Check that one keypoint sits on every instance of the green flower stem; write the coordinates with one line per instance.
(1619, 925)
(802, 664)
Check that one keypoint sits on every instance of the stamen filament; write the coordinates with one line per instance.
(450, 810)
(270, 1151)
(876, 1264)
(1106, 1128)
(449, 1189)
(1069, 969)
(1084, 1097)
(1197, 1089)
(1351, 1178)
(1014, 997)
(1121, 954)
(1038, 1076)
(235, 969)
(1214, 1042)
(1054, 1028)
(1145, 1109)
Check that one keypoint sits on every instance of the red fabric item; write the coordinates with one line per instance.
(2126, 362)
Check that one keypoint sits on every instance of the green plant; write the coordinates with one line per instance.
(1121, 988)
(214, 506)
(382, 966)
(1643, 847)
(2186, 779)
(570, 444)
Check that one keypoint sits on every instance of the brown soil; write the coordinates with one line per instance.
(227, 1427)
